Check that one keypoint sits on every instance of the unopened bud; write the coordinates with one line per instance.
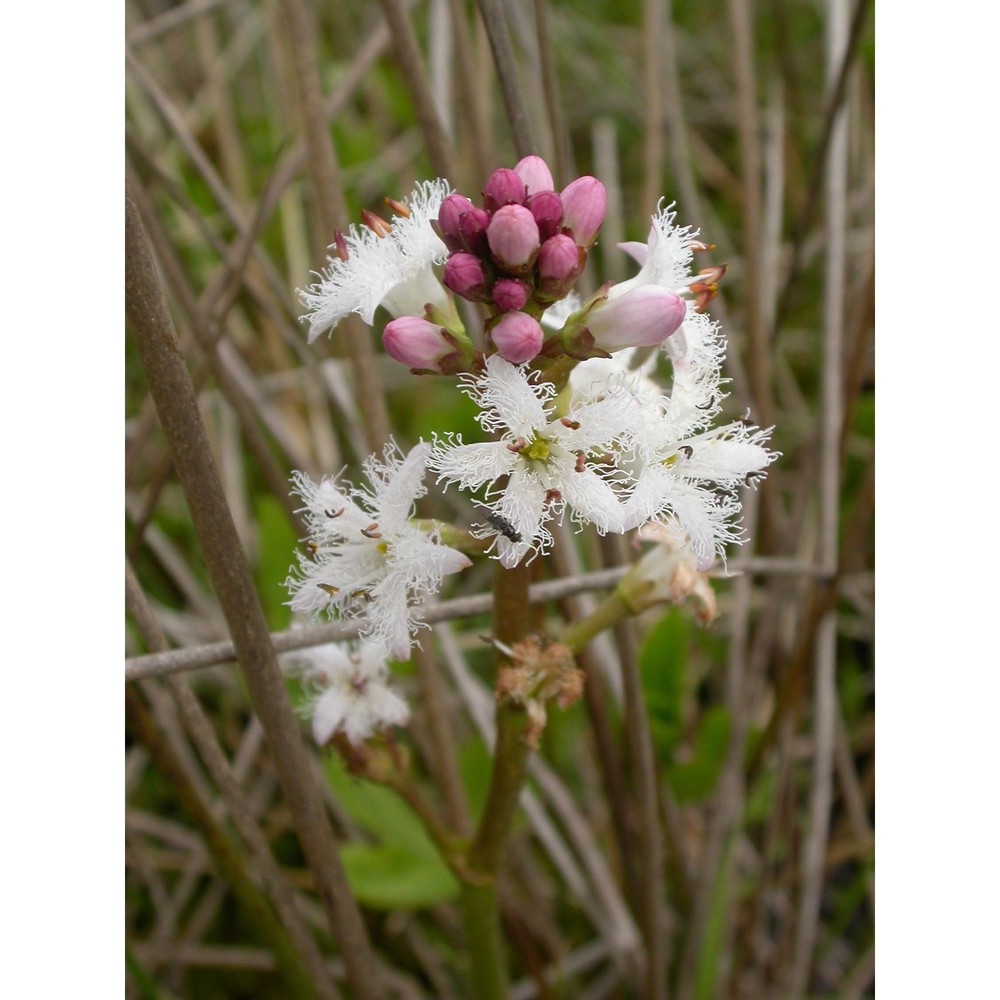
(511, 293)
(560, 261)
(503, 188)
(417, 343)
(513, 237)
(534, 171)
(642, 317)
(517, 337)
(340, 245)
(472, 226)
(547, 208)
(584, 202)
(465, 276)
(449, 215)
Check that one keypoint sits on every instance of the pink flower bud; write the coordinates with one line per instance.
(510, 293)
(503, 188)
(517, 337)
(449, 215)
(513, 237)
(415, 342)
(547, 208)
(472, 225)
(464, 275)
(535, 173)
(560, 261)
(644, 316)
(584, 201)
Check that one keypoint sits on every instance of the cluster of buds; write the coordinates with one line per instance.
(537, 674)
(521, 250)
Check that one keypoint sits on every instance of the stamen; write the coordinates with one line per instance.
(340, 245)
(697, 246)
(552, 496)
(375, 223)
(328, 588)
(686, 450)
(517, 445)
(581, 462)
(397, 206)
(311, 547)
(371, 531)
(355, 594)
(573, 425)
(334, 513)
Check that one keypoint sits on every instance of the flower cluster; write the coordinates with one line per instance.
(364, 559)
(577, 424)
(349, 691)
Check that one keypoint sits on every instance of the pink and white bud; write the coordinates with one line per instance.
(449, 215)
(642, 317)
(547, 208)
(503, 188)
(472, 226)
(517, 337)
(513, 237)
(584, 203)
(415, 342)
(535, 173)
(511, 293)
(560, 261)
(465, 275)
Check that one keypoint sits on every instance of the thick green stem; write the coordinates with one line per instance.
(511, 622)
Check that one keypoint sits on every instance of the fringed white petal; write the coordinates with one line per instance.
(509, 398)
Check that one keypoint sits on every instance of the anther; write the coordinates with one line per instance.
(697, 246)
(340, 245)
(355, 594)
(334, 513)
(581, 462)
(686, 450)
(372, 531)
(552, 496)
(375, 223)
(312, 548)
(517, 445)
(571, 424)
(397, 206)
(328, 588)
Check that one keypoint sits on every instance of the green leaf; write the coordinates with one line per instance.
(393, 877)
(276, 544)
(662, 666)
(695, 779)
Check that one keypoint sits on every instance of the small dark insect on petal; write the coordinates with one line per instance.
(501, 524)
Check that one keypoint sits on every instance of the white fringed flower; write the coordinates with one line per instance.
(350, 691)
(394, 270)
(365, 560)
(683, 470)
(696, 348)
(551, 463)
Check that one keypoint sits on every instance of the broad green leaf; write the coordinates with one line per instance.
(392, 877)
(695, 779)
(662, 665)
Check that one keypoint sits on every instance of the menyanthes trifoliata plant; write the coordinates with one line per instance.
(577, 418)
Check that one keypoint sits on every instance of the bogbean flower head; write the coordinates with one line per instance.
(525, 246)
(549, 463)
(364, 559)
(349, 690)
(387, 264)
